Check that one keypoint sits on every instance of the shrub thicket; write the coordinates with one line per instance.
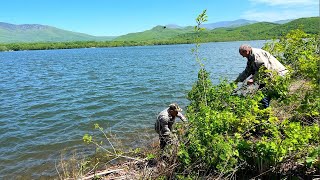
(231, 135)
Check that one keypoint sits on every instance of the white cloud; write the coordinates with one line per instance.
(286, 2)
(274, 15)
(274, 10)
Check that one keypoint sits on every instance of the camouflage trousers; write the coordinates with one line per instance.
(164, 141)
(246, 90)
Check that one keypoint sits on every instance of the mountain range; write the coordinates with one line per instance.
(236, 23)
(11, 33)
(224, 31)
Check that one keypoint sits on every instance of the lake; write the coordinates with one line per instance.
(51, 98)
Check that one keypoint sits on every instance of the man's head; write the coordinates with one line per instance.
(174, 109)
(245, 50)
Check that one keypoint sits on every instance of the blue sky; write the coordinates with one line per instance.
(119, 17)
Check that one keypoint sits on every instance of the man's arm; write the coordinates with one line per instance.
(181, 116)
(244, 75)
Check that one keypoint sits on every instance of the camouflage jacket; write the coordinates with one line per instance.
(165, 121)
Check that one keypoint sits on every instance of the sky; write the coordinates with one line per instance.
(119, 17)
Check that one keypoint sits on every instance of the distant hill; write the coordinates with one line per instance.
(283, 21)
(172, 30)
(156, 33)
(173, 26)
(236, 23)
(225, 31)
(309, 25)
(256, 31)
(248, 32)
(10, 33)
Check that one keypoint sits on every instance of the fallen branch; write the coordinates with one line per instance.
(106, 172)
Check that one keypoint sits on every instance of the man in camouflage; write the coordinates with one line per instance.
(165, 121)
(257, 58)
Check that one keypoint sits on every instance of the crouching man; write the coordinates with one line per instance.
(165, 121)
(257, 58)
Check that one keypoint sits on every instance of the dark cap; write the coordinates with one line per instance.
(175, 107)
